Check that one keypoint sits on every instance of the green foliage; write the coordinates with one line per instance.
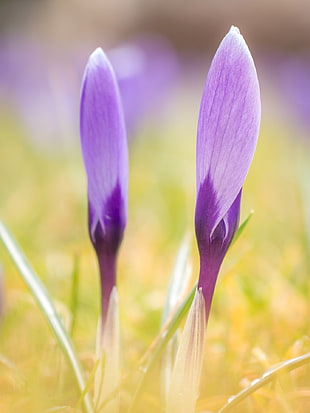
(261, 306)
(46, 305)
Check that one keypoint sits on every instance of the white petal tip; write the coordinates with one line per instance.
(99, 58)
(234, 29)
(97, 52)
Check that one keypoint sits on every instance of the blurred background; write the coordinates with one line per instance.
(44, 46)
(161, 52)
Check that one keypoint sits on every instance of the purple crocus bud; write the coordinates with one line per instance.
(105, 154)
(227, 133)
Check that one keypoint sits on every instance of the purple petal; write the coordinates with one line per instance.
(212, 249)
(104, 147)
(228, 126)
(105, 153)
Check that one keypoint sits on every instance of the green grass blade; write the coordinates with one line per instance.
(154, 352)
(271, 374)
(242, 227)
(74, 294)
(45, 303)
(88, 384)
(152, 355)
(148, 361)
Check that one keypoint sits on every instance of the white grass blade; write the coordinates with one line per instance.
(184, 387)
(107, 377)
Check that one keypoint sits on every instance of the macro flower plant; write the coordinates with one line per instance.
(228, 127)
(227, 133)
(104, 148)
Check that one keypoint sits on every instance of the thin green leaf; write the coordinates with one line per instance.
(242, 227)
(89, 382)
(148, 361)
(45, 303)
(153, 353)
(271, 374)
(74, 294)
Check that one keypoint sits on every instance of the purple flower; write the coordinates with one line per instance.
(146, 69)
(227, 133)
(41, 86)
(104, 147)
(292, 76)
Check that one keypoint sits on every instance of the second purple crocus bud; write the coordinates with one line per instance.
(105, 154)
(227, 133)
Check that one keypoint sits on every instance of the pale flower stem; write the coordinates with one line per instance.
(107, 377)
(177, 287)
(186, 374)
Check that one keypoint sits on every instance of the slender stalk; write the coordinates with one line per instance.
(107, 267)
